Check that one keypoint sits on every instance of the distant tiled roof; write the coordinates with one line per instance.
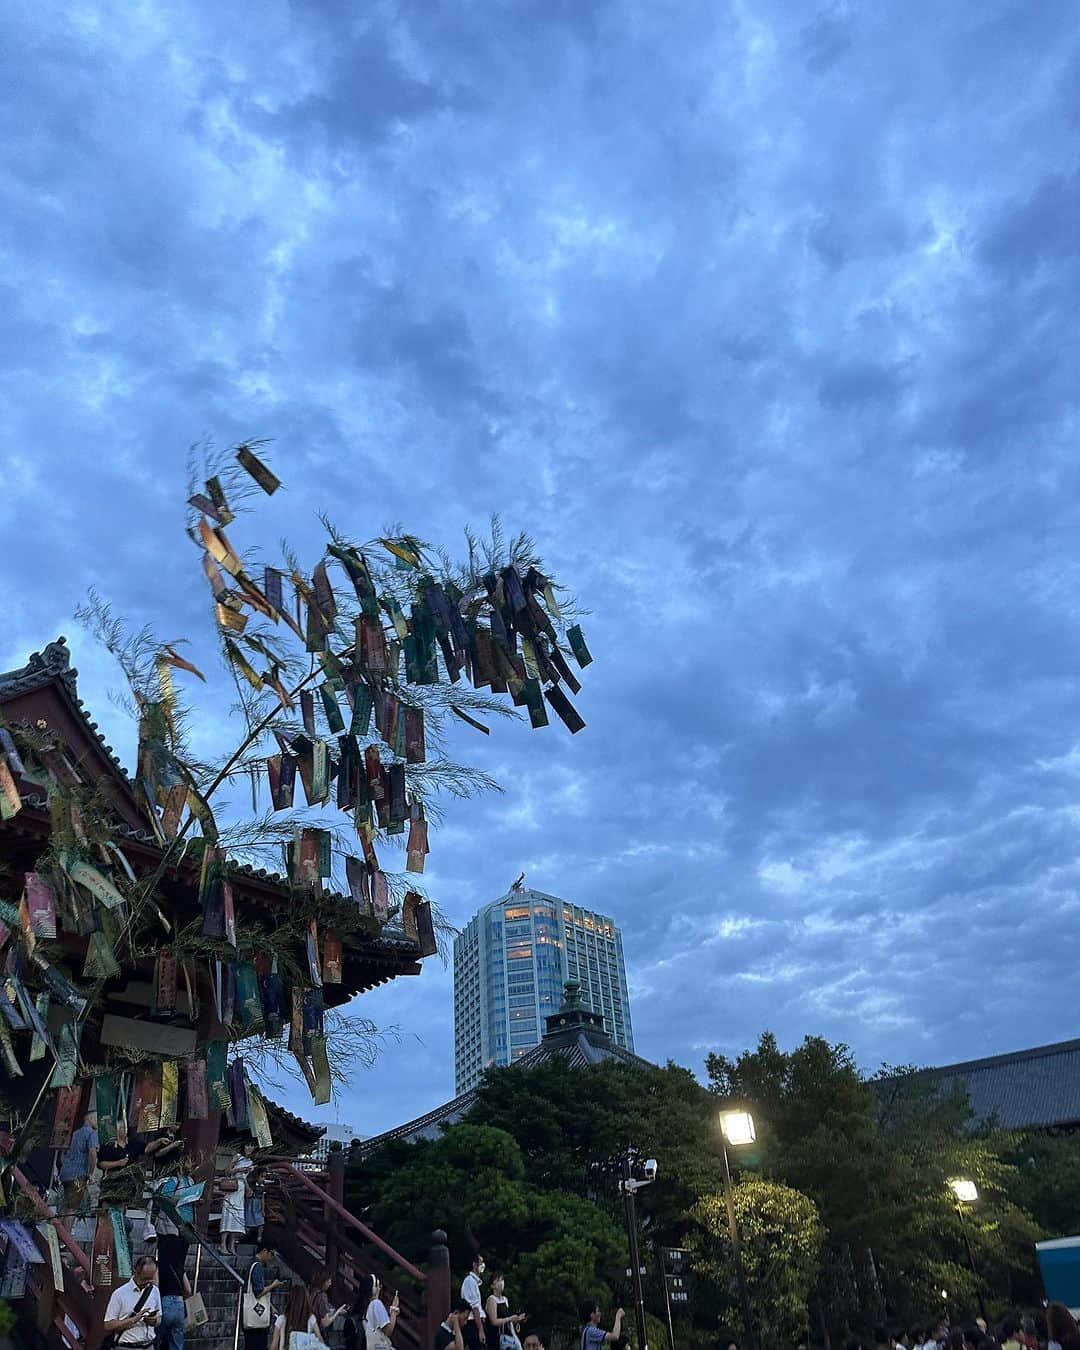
(1028, 1089)
(581, 1048)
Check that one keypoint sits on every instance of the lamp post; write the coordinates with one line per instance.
(737, 1127)
(965, 1192)
(629, 1185)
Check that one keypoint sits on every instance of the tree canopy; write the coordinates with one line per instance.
(843, 1201)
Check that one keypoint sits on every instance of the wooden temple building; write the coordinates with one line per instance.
(85, 1013)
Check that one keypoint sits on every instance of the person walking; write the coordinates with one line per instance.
(448, 1332)
(134, 1308)
(380, 1321)
(173, 1284)
(498, 1320)
(258, 1309)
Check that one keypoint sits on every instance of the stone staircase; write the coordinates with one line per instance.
(221, 1294)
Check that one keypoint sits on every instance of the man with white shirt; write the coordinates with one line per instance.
(470, 1293)
(134, 1309)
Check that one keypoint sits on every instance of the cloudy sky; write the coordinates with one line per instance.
(760, 316)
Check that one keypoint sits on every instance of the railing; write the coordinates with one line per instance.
(192, 1234)
(71, 1307)
(311, 1227)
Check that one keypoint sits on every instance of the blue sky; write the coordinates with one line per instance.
(761, 316)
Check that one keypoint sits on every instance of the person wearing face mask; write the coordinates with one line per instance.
(500, 1322)
(470, 1293)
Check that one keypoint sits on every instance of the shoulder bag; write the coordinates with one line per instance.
(257, 1311)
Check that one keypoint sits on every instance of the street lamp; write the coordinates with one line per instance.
(630, 1185)
(737, 1128)
(965, 1192)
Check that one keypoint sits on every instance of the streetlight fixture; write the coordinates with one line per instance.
(737, 1128)
(965, 1192)
(630, 1185)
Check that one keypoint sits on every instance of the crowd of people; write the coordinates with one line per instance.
(150, 1308)
(1052, 1328)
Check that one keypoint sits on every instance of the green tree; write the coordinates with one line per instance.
(556, 1247)
(781, 1235)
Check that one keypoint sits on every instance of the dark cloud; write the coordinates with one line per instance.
(761, 321)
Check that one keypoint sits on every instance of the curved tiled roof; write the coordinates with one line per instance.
(1027, 1089)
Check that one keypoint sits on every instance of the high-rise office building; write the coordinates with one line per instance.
(511, 962)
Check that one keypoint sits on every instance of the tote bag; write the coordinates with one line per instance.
(257, 1312)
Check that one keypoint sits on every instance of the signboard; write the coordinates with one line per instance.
(1059, 1262)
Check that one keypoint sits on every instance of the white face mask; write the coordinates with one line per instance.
(481, 1268)
(497, 1285)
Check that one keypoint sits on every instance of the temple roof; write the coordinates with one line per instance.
(1037, 1088)
(574, 1034)
(47, 688)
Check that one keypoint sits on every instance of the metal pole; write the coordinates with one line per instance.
(667, 1299)
(736, 1251)
(635, 1255)
(971, 1262)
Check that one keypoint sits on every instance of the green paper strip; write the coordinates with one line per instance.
(334, 719)
(578, 647)
(101, 963)
(99, 887)
(321, 1064)
(37, 1046)
(363, 702)
(106, 1099)
(260, 1125)
(67, 1049)
(217, 1070)
(52, 1243)
(120, 1241)
(170, 1093)
(320, 782)
(7, 1051)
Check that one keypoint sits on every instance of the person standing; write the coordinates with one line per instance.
(297, 1327)
(173, 1285)
(380, 1321)
(134, 1308)
(78, 1164)
(593, 1334)
(499, 1321)
(258, 1310)
(319, 1298)
(234, 1186)
(470, 1292)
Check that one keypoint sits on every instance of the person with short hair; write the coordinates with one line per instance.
(593, 1336)
(533, 1341)
(134, 1308)
(78, 1163)
(470, 1292)
(257, 1338)
(449, 1331)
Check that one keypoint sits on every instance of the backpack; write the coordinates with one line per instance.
(355, 1334)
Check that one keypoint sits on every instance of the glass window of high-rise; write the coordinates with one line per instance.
(511, 962)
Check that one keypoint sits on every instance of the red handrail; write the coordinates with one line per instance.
(43, 1209)
(343, 1213)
